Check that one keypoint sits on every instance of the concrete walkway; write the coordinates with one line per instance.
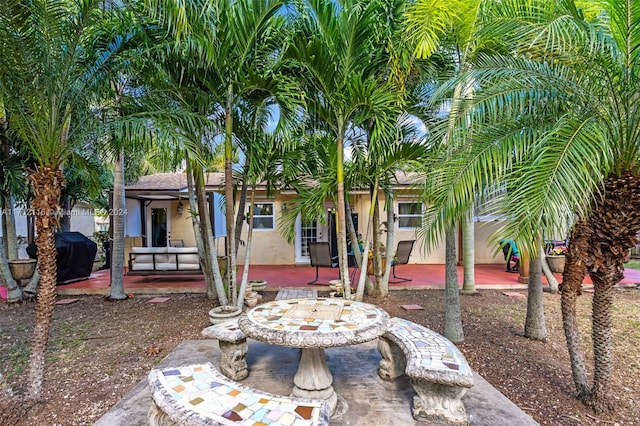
(364, 398)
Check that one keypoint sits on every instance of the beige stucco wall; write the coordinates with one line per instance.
(270, 248)
(484, 249)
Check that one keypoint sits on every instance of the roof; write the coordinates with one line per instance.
(171, 182)
(177, 182)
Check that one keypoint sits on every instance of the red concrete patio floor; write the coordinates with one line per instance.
(279, 276)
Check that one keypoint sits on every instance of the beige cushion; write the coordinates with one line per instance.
(143, 255)
(186, 259)
(167, 266)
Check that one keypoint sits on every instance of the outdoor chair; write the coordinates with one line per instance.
(320, 254)
(403, 253)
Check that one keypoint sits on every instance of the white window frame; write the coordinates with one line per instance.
(272, 216)
(399, 215)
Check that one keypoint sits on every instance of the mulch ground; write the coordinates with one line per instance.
(99, 350)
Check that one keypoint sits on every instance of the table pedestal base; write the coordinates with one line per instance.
(313, 378)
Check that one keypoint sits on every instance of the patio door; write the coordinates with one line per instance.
(306, 231)
(159, 224)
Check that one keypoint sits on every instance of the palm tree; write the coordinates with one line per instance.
(349, 92)
(554, 136)
(447, 27)
(55, 55)
(237, 46)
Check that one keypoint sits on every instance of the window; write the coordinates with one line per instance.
(263, 217)
(409, 215)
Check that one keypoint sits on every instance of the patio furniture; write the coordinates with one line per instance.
(199, 395)
(233, 348)
(320, 254)
(403, 253)
(312, 325)
(163, 260)
(439, 372)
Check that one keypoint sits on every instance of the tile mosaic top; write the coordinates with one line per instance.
(314, 323)
(200, 395)
(430, 355)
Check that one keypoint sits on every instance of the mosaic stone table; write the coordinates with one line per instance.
(312, 325)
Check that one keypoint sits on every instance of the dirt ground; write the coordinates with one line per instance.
(99, 350)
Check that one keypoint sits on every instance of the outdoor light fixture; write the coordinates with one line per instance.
(180, 208)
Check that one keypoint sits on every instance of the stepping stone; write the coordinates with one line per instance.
(158, 300)
(513, 294)
(411, 307)
(292, 293)
(66, 301)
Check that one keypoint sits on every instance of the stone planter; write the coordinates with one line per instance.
(251, 299)
(22, 269)
(556, 263)
(258, 285)
(223, 313)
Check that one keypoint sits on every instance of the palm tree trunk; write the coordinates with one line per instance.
(604, 278)
(209, 246)
(377, 243)
(614, 226)
(247, 253)
(370, 224)
(383, 290)
(570, 289)
(342, 236)
(205, 257)
(242, 201)
(534, 324)
(553, 283)
(9, 228)
(228, 194)
(468, 254)
(14, 291)
(452, 315)
(47, 183)
(118, 204)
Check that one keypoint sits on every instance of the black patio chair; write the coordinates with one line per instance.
(403, 253)
(320, 254)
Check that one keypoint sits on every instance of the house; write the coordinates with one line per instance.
(157, 215)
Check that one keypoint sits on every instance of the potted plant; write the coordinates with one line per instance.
(257, 285)
(556, 259)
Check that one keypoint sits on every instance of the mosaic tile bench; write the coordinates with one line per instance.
(200, 395)
(439, 372)
(233, 348)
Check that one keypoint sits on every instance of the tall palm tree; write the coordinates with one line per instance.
(54, 55)
(238, 45)
(446, 27)
(350, 91)
(554, 136)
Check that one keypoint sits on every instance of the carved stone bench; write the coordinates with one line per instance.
(200, 395)
(439, 372)
(233, 348)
